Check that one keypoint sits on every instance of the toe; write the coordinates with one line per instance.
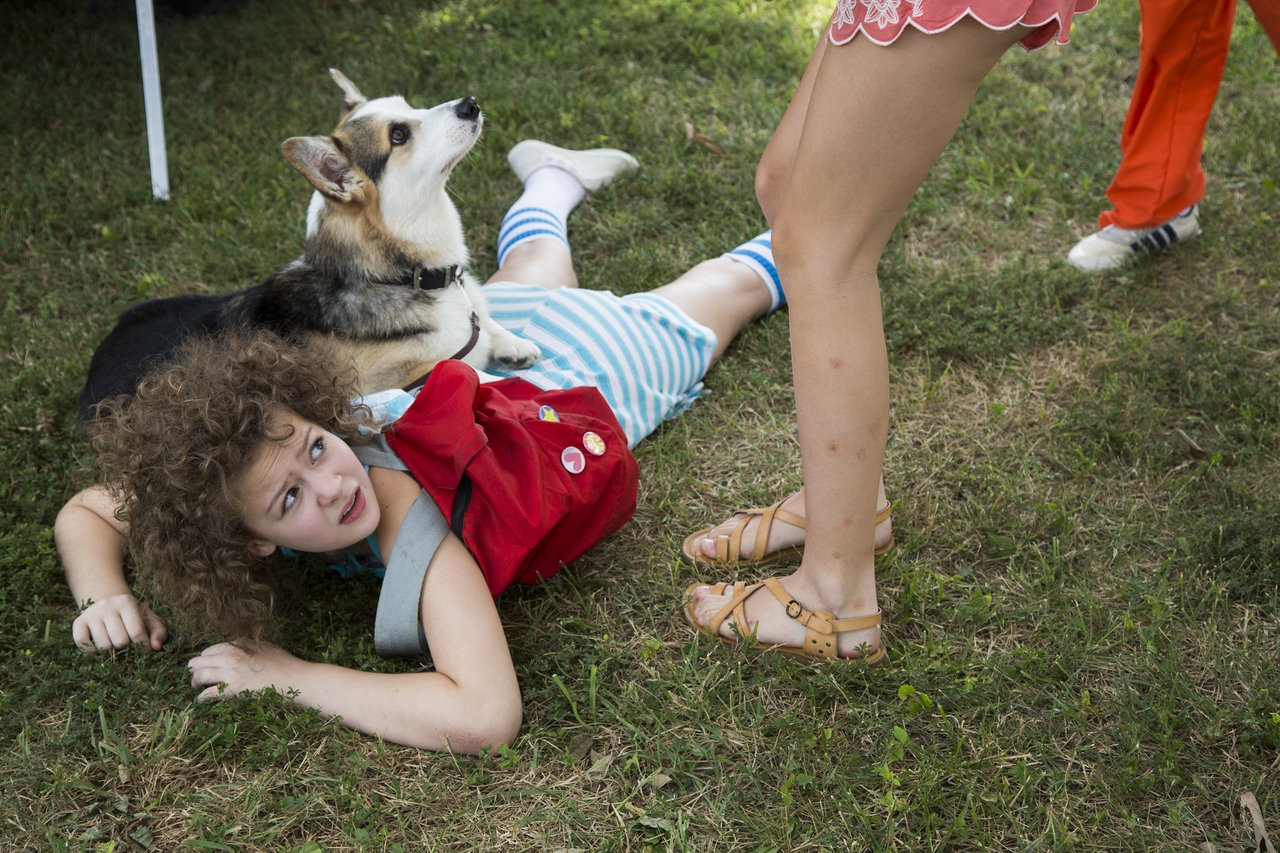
(707, 606)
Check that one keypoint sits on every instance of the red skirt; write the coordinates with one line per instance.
(882, 21)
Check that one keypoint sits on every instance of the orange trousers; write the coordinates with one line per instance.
(1182, 51)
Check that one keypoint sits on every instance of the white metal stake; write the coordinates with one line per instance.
(151, 99)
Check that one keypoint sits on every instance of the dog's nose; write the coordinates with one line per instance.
(467, 109)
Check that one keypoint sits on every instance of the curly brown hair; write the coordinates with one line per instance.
(172, 454)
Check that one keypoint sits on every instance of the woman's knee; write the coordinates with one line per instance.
(810, 257)
(795, 247)
(771, 183)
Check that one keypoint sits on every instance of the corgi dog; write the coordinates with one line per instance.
(382, 280)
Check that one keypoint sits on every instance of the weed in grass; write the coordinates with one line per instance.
(1240, 548)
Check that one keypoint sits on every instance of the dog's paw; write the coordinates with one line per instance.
(515, 351)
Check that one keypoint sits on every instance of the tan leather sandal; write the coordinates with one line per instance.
(821, 626)
(729, 548)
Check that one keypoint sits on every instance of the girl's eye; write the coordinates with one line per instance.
(289, 498)
(399, 136)
(317, 449)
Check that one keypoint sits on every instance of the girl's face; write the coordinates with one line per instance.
(308, 492)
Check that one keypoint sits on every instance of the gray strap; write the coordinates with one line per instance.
(397, 631)
(378, 454)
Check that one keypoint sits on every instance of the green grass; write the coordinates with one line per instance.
(1083, 618)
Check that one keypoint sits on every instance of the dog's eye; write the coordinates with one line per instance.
(399, 135)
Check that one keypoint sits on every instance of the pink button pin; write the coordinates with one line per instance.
(573, 460)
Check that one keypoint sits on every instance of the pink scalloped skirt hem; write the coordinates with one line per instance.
(883, 21)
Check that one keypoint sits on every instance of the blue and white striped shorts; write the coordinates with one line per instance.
(645, 354)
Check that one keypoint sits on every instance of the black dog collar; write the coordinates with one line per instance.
(424, 278)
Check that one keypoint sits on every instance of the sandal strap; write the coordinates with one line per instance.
(734, 607)
(729, 548)
(732, 544)
(788, 516)
(762, 531)
(821, 625)
(794, 609)
(819, 644)
(857, 623)
(741, 626)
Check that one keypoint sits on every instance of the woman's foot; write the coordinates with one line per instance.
(773, 621)
(782, 535)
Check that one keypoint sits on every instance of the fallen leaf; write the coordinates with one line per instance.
(580, 746)
(692, 134)
(1189, 443)
(1261, 841)
(124, 773)
(659, 780)
(633, 808)
(599, 763)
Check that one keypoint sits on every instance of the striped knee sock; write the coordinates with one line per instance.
(758, 254)
(550, 195)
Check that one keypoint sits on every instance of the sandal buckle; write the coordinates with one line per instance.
(798, 609)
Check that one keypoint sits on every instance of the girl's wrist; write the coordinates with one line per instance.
(87, 600)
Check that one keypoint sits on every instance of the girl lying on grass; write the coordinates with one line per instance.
(233, 452)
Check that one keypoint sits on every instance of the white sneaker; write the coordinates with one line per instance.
(593, 168)
(1113, 246)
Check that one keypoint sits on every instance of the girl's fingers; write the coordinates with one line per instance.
(211, 678)
(157, 633)
(202, 670)
(98, 632)
(80, 635)
(103, 627)
(214, 692)
(133, 624)
(116, 631)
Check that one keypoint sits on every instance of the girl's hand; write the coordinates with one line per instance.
(115, 622)
(239, 670)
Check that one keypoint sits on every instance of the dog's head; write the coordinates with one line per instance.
(380, 177)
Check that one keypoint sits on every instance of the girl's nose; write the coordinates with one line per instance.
(328, 488)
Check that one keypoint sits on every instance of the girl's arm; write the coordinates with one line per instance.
(91, 544)
(471, 700)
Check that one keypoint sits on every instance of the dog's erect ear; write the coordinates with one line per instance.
(320, 161)
(352, 100)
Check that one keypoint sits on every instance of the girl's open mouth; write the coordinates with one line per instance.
(355, 509)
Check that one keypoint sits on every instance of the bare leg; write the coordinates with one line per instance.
(722, 295)
(542, 263)
(774, 171)
(877, 119)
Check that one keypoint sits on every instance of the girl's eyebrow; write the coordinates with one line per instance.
(302, 450)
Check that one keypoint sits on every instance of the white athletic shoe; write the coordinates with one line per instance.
(593, 168)
(1114, 246)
